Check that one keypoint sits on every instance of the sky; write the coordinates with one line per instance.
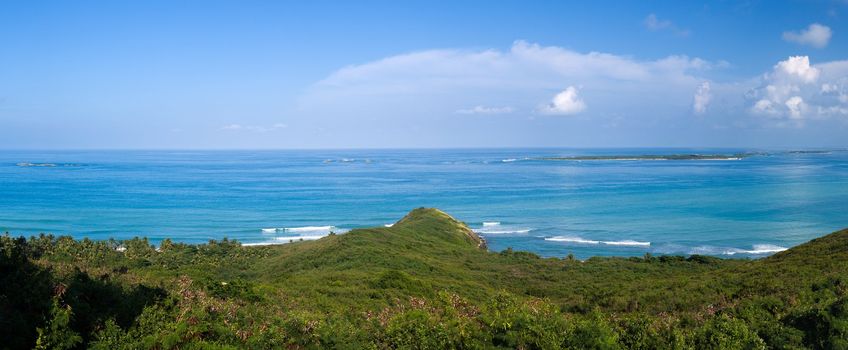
(421, 74)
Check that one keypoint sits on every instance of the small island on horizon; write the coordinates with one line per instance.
(737, 156)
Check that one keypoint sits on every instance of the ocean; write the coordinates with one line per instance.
(748, 207)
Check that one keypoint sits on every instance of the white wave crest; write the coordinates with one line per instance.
(495, 228)
(579, 240)
(269, 230)
(509, 160)
(256, 244)
(766, 249)
(627, 243)
(572, 240)
(502, 232)
(306, 229)
(756, 249)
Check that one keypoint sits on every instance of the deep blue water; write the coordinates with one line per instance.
(748, 207)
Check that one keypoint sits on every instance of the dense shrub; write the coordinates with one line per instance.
(725, 333)
(411, 286)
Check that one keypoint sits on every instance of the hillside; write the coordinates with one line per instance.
(425, 282)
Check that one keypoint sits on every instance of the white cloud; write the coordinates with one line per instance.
(416, 94)
(232, 127)
(796, 107)
(816, 35)
(702, 98)
(652, 22)
(421, 84)
(485, 110)
(523, 65)
(253, 128)
(764, 107)
(566, 102)
(840, 111)
(797, 68)
(828, 88)
(796, 90)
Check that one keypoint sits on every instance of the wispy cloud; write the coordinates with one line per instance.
(594, 84)
(654, 23)
(505, 81)
(816, 35)
(485, 110)
(253, 128)
(702, 98)
(524, 65)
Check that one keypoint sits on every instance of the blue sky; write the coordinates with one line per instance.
(393, 74)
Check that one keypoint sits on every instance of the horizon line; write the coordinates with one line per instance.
(832, 148)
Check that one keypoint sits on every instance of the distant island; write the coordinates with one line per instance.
(688, 156)
(426, 282)
(737, 156)
(811, 152)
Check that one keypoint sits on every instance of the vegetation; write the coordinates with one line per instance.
(425, 282)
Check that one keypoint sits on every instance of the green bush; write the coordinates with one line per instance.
(724, 332)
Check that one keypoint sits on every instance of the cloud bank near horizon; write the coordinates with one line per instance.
(538, 81)
(531, 79)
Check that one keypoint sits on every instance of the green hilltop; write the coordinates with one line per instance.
(425, 282)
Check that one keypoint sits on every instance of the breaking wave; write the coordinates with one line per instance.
(305, 229)
(579, 240)
(756, 249)
(495, 228)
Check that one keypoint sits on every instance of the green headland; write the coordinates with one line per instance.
(427, 282)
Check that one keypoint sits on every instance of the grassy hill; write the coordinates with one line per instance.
(425, 282)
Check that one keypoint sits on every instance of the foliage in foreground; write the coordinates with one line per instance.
(421, 284)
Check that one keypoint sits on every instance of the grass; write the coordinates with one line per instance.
(428, 276)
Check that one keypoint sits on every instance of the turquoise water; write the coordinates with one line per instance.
(749, 207)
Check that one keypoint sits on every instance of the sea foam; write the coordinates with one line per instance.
(579, 240)
(256, 244)
(572, 240)
(299, 238)
(756, 249)
(502, 232)
(495, 228)
(765, 249)
(627, 243)
(302, 229)
(305, 229)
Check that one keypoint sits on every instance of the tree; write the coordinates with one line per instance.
(58, 334)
